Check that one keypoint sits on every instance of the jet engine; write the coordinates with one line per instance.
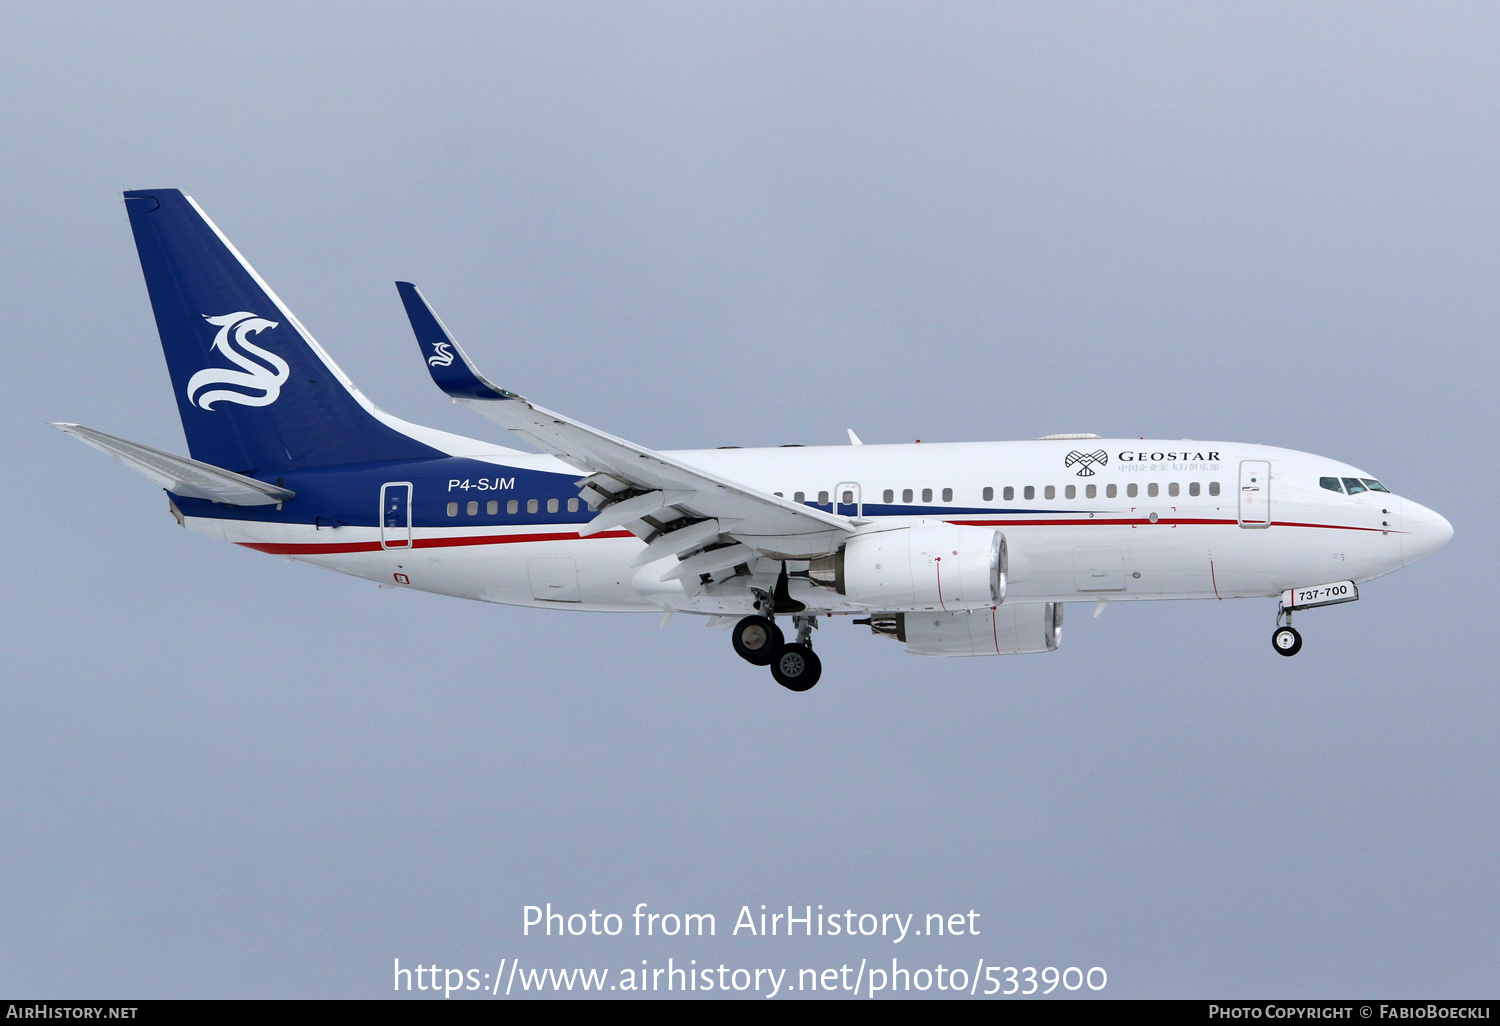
(924, 566)
(1007, 630)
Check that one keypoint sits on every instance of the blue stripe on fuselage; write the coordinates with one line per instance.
(350, 496)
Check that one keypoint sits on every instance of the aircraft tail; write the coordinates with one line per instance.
(256, 393)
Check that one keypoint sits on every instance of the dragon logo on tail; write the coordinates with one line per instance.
(261, 382)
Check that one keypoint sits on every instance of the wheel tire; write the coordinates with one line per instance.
(1286, 641)
(757, 639)
(796, 667)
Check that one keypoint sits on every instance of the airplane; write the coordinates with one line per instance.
(953, 549)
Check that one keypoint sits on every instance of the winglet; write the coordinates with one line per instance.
(451, 368)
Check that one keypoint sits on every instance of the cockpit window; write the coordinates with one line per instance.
(1375, 486)
(1332, 484)
(1354, 485)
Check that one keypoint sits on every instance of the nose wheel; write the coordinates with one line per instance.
(795, 666)
(1286, 640)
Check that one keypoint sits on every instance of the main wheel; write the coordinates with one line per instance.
(757, 639)
(796, 667)
(1286, 641)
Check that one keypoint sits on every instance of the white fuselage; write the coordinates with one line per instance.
(1154, 520)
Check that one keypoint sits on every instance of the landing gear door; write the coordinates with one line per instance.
(395, 515)
(847, 500)
(1255, 493)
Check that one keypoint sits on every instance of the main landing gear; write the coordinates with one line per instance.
(760, 642)
(1286, 639)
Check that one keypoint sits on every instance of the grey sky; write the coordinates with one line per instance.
(698, 225)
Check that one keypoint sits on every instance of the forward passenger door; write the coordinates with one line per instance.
(1255, 493)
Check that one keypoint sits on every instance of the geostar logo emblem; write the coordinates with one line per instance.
(1087, 461)
(443, 356)
(262, 381)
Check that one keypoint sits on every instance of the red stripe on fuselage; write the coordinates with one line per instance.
(1160, 522)
(328, 548)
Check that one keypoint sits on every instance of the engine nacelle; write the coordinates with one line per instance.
(1007, 630)
(925, 566)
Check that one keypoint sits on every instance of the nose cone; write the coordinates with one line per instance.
(1426, 531)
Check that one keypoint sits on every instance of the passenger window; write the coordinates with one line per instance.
(1194, 488)
(822, 498)
(848, 499)
(1010, 493)
(512, 506)
(453, 509)
(1091, 491)
(947, 494)
(1051, 491)
(888, 496)
(926, 494)
(799, 496)
(1071, 492)
(1213, 488)
(906, 495)
(1331, 483)
(1132, 490)
(1030, 492)
(1173, 489)
(1354, 486)
(1152, 489)
(492, 507)
(1110, 491)
(778, 495)
(473, 509)
(1375, 486)
(572, 505)
(551, 505)
(531, 505)
(989, 495)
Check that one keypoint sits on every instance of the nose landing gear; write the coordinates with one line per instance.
(1285, 639)
(760, 642)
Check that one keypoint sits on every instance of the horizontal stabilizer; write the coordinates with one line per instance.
(180, 475)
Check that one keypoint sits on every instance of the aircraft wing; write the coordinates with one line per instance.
(180, 475)
(628, 481)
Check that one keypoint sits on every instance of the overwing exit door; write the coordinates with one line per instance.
(1255, 493)
(846, 499)
(395, 515)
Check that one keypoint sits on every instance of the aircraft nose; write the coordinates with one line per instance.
(1426, 531)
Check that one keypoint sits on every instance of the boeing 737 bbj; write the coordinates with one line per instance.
(956, 549)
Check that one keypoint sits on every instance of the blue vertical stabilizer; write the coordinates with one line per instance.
(256, 393)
